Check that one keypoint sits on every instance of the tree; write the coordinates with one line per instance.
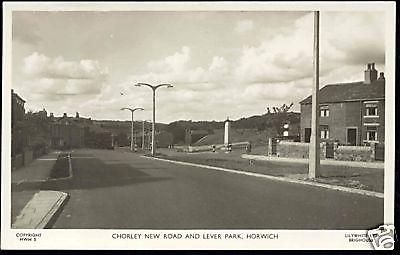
(282, 109)
(177, 130)
(122, 139)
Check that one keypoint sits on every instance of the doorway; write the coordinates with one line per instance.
(351, 136)
(307, 135)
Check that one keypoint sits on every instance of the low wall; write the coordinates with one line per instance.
(296, 149)
(237, 145)
(344, 153)
(355, 153)
(204, 148)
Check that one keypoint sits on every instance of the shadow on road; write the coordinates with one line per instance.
(91, 173)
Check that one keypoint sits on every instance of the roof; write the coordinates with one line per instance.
(354, 91)
(17, 96)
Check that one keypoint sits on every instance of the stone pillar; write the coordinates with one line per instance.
(335, 147)
(373, 151)
(226, 134)
(323, 149)
(269, 151)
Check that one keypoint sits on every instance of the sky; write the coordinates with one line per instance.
(221, 63)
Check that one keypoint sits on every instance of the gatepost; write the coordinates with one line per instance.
(269, 151)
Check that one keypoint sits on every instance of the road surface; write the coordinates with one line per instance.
(121, 190)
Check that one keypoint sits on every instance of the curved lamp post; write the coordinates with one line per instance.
(132, 110)
(154, 87)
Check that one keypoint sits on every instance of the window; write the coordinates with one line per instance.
(324, 111)
(324, 131)
(372, 135)
(371, 109)
(324, 134)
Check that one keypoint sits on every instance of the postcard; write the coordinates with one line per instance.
(198, 125)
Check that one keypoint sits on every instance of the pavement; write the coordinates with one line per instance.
(121, 190)
(30, 206)
(331, 162)
(40, 210)
(38, 170)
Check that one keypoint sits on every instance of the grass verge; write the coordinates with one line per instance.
(61, 167)
(353, 177)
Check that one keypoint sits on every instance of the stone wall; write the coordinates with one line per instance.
(297, 149)
(239, 145)
(355, 153)
(346, 153)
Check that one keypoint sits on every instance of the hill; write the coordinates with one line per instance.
(255, 128)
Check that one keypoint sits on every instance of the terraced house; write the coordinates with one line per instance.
(350, 113)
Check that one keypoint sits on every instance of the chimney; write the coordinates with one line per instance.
(65, 115)
(51, 115)
(370, 74)
(381, 76)
(77, 115)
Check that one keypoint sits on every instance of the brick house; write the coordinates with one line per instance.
(350, 113)
(18, 108)
(18, 139)
(66, 133)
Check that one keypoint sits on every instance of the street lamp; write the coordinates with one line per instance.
(154, 87)
(132, 110)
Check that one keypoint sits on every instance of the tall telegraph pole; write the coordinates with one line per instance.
(314, 151)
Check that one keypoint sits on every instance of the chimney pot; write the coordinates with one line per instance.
(371, 74)
(381, 76)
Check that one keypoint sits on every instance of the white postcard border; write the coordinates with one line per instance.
(103, 239)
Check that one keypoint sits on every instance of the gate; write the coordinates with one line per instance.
(329, 150)
(380, 152)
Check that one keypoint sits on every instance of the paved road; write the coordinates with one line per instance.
(119, 190)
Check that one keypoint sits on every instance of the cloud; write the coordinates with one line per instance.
(277, 70)
(178, 69)
(244, 26)
(38, 65)
(240, 80)
(288, 56)
(360, 37)
(52, 77)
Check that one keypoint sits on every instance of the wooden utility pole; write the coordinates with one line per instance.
(314, 150)
(143, 135)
